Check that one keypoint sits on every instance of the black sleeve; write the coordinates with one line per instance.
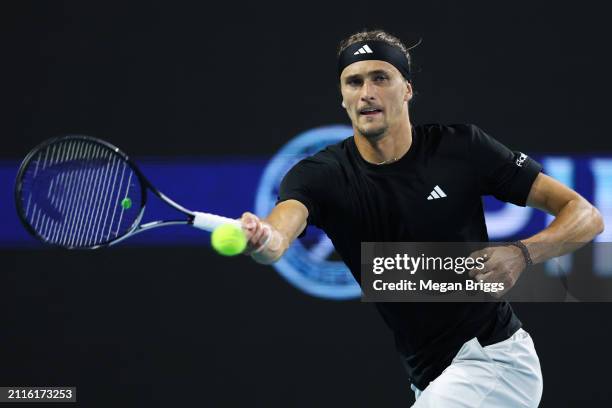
(307, 182)
(507, 175)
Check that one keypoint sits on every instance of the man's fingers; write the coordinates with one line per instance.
(249, 221)
(482, 256)
(477, 270)
(251, 225)
(258, 233)
(479, 261)
(253, 230)
(482, 262)
(266, 234)
(264, 238)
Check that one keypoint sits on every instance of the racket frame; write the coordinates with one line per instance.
(136, 226)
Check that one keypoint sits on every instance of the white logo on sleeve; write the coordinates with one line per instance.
(436, 193)
(364, 50)
(521, 159)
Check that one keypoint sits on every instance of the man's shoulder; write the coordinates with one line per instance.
(454, 141)
(441, 130)
(456, 138)
(320, 170)
(333, 154)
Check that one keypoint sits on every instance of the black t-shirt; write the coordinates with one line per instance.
(354, 201)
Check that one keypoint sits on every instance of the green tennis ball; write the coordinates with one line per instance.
(126, 203)
(228, 240)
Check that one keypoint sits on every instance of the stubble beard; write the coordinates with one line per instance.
(373, 134)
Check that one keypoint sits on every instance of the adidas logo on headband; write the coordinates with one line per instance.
(364, 50)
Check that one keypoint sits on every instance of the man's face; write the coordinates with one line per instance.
(374, 93)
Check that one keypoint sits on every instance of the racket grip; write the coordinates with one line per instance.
(209, 222)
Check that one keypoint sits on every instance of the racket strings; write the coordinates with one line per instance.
(80, 193)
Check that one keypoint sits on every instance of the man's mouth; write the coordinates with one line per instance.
(370, 111)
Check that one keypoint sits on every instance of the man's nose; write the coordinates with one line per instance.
(367, 91)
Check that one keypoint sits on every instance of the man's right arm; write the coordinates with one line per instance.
(269, 239)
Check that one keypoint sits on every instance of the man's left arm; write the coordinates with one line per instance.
(576, 223)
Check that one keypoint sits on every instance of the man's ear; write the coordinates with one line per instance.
(343, 105)
(408, 94)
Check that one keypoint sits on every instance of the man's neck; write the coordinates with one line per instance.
(391, 146)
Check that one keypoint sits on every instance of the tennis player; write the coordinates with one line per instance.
(394, 182)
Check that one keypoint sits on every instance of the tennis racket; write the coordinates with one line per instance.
(82, 192)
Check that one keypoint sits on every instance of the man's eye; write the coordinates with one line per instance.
(380, 78)
(354, 82)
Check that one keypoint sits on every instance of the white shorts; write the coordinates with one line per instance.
(504, 374)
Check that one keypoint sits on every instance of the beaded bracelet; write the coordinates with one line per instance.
(523, 248)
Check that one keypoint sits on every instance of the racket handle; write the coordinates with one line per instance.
(209, 222)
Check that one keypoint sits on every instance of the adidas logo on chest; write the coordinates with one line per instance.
(436, 194)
